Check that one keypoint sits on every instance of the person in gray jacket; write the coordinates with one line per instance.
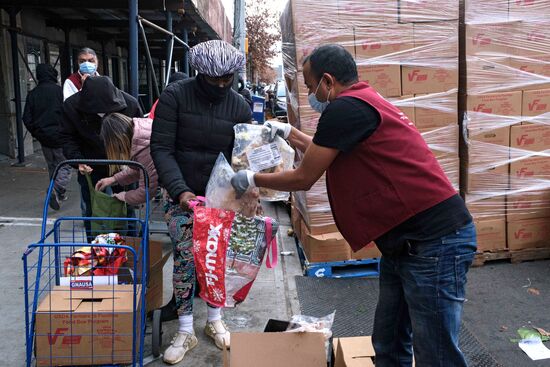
(193, 123)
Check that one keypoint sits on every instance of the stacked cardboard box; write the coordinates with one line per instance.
(505, 169)
(407, 51)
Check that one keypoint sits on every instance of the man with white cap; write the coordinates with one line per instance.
(193, 123)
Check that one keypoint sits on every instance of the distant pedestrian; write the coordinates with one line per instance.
(42, 117)
(87, 66)
(243, 91)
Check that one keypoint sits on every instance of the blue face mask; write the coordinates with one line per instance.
(315, 103)
(88, 68)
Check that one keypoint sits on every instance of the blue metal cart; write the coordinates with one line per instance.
(80, 317)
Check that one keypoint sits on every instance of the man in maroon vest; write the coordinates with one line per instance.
(386, 186)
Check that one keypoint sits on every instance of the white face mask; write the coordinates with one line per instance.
(315, 103)
(101, 115)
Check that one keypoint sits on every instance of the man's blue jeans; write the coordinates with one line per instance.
(421, 301)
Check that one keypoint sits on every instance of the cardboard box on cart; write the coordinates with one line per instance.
(84, 327)
(157, 259)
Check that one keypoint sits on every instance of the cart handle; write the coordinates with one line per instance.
(94, 162)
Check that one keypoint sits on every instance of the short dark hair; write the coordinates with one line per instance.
(86, 50)
(334, 60)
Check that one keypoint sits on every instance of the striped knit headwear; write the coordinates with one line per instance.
(216, 58)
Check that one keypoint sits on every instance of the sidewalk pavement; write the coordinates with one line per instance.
(22, 200)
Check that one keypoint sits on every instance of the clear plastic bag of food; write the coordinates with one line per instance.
(254, 151)
(220, 193)
(310, 324)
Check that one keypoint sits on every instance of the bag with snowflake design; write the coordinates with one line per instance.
(226, 265)
(211, 233)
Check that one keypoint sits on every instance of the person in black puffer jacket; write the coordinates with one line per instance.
(81, 125)
(42, 117)
(193, 123)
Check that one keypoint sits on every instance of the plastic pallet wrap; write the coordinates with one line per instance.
(506, 160)
(407, 50)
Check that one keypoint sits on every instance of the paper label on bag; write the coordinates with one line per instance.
(264, 157)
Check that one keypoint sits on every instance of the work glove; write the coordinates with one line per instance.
(242, 181)
(278, 128)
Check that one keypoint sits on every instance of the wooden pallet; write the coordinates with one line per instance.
(530, 255)
(483, 257)
(514, 257)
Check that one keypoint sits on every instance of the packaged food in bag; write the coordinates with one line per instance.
(253, 150)
(221, 194)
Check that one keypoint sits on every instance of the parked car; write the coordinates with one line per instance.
(278, 99)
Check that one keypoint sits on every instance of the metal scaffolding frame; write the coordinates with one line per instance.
(136, 24)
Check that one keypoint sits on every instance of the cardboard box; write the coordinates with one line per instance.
(490, 38)
(486, 207)
(276, 350)
(435, 110)
(491, 235)
(427, 10)
(405, 104)
(527, 9)
(94, 327)
(504, 104)
(386, 79)
(529, 137)
(443, 142)
(488, 74)
(392, 41)
(486, 180)
(424, 80)
(359, 13)
(477, 11)
(157, 259)
(296, 220)
(535, 102)
(343, 37)
(368, 252)
(531, 38)
(529, 233)
(354, 352)
(435, 40)
(524, 68)
(529, 172)
(327, 247)
(528, 205)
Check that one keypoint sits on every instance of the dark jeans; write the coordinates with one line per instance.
(421, 301)
(53, 158)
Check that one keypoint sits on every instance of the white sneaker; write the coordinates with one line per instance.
(181, 344)
(217, 330)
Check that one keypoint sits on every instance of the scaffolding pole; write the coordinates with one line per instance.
(17, 88)
(133, 48)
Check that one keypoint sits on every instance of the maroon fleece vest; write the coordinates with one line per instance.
(386, 179)
(76, 79)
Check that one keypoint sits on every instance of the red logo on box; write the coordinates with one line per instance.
(523, 172)
(481, 40)
(523, 234)
(537, 106)
(372, 46)
(415, 76)
(525, 140)
(535, 37)
(525, 2)
(67, 339)
(481, 108)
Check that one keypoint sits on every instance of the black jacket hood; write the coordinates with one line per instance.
(99, 95)
(46, 73)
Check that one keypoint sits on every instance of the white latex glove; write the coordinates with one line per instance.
(278, 128)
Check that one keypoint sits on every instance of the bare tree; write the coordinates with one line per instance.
(262, 29)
